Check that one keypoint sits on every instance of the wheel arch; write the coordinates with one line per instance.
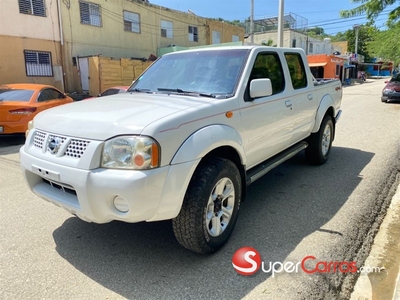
(326, 107)
(214, 141)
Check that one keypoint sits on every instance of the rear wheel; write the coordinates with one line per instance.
(319, 143)
(210, 207)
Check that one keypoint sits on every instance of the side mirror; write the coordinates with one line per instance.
(260, 88)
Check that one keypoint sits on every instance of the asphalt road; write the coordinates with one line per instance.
(331, 212)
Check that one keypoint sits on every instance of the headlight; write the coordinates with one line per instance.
(131, 152)
(388, 91)
(30, 127)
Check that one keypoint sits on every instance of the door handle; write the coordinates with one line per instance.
(310, 97)
(288, 103)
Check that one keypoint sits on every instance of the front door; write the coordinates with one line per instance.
(266, 120)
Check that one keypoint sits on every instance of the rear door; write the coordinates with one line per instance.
(49, 98)
(303, 99)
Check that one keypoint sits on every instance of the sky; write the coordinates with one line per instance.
(321, 13)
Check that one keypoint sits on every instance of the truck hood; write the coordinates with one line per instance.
(105, 117)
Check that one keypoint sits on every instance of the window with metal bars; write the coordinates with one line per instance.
(166, 29)
(193, 35)
(38, 63)
(90, 13)
(32, 7)
(131, 21)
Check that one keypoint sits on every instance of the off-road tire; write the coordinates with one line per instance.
(320, 143)
(190, 226)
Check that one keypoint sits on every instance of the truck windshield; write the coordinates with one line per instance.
(211, 72)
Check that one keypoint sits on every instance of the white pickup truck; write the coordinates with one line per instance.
(184, 142)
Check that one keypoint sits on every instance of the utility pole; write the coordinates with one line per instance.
(252, 21)
(280, 23)
(356, 27)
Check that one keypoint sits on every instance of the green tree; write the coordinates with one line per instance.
(372, 9)
(339, 37)
(268, 43)
(316, 32)
(364, 36)
(385, 44)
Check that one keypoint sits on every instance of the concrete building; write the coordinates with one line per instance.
(296, 39)
(30, 42)
(326, 66)
(116, 29)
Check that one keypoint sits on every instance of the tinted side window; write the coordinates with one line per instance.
(45, 95)
(268, 65)
(296, 69)
(56, 94)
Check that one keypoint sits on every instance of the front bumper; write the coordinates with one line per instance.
(12, 127)
(149, 195)
(391, 97)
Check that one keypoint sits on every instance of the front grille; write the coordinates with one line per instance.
(61, 187)
(38, 140)
(76, 148)
(52, 136)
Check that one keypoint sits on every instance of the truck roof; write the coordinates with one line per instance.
(248, 47)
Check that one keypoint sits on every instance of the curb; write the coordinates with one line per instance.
(385, 254)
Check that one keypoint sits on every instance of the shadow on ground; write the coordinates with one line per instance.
(11, 143)
(144, 261)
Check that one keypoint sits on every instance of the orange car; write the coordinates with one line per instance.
(20, 103)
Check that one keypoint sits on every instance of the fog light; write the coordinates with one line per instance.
(121, 204)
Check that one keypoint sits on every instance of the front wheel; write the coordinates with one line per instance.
(210, 207)
(319, 143)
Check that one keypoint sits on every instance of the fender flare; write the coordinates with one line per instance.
(207, 139)
(326, 103)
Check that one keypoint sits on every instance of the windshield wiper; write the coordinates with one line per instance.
(180, 91)
(139, 90)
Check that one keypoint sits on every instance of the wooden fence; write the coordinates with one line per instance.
(105, 72)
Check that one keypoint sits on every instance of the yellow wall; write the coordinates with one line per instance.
(19, 32)
(14, 23)
(111, 40)
(342, 45)
(12, 60)
(226, 31)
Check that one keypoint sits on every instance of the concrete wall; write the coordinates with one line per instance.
(19, 32)
(226, 32)
(331, 65)
(14, 23)
(341, 46)
(111, 40)
(12, 61)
